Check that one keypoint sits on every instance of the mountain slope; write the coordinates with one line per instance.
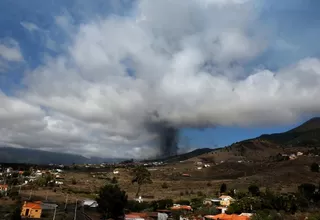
(307, 134)
(184, 156)
(18, 155)
(268, 145)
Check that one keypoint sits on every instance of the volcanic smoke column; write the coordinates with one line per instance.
(168, 141)
(167, 137)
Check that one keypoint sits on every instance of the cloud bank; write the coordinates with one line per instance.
(123, 81)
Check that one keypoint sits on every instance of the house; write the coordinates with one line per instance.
(226, 217)
(292, 157)
(9, 170)
(246, 214)
(299, 153)
(90, 203)
(140, 200)
(181, 207)
(136, 216)
(58, 182)
(222, 209)
(226, 200)
(215, 201)
(31, 210)
(3, 189)
(35, 209)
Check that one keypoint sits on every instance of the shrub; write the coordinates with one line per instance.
(200, 194)
(183, 202)
(134, 206)
(254, 190)
(74, 181)
(314, 167)
(161, 204)
(223, 188)
(164, 185)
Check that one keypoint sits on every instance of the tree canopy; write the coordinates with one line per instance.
(141, 176)
(112, 201)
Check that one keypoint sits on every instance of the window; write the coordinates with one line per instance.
(36, 210)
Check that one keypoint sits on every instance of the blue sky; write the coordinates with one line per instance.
(291, 27)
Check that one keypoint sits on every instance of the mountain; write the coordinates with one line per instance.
(307, 134)
(22, 155)
(185, 156)
(305, 138)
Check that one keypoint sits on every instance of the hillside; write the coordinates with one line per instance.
(18, 155)
(305, 138)
(184, 156)
(307, 134)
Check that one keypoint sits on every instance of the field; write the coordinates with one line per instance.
(168, 181)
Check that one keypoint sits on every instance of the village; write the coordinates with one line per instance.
(17, 181)
(73, 192)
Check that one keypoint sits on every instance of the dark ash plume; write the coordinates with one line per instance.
(168, 135)
(168, 141)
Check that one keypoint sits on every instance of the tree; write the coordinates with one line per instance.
(314, 167)
(307, 190)
(223, 188)
(26, 173)
(16, 212)
(111, 201)
(254, 190)
(141, 176)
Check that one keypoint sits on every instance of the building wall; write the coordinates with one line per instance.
(33, 213)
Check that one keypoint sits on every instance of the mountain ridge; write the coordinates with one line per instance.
(33, 156)
(305, 135)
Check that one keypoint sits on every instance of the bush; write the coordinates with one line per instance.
(134, 206)
(254, 190)
(161, 204)
(314, 167)
(207, 211)
(74, 181)
(200, 194)
(183, 202)
(164, 186)
(223, 188)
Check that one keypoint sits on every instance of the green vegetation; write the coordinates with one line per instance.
(141, 176)
(314, 167)
(112, 201)
(223, 188)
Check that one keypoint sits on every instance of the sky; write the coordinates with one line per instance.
(100, 78)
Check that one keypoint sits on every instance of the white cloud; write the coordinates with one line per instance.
(189, 63)
(10, 51)
(29, 26)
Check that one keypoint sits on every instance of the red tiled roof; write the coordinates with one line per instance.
(227, 217)
(180, 207)
(32, 205)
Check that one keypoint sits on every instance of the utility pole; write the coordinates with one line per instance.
(65, 205)
(54, 214)
(75, 210)
(30, 195)
(47, 196)
(20, 188)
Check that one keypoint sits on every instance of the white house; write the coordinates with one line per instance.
(90, 203)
